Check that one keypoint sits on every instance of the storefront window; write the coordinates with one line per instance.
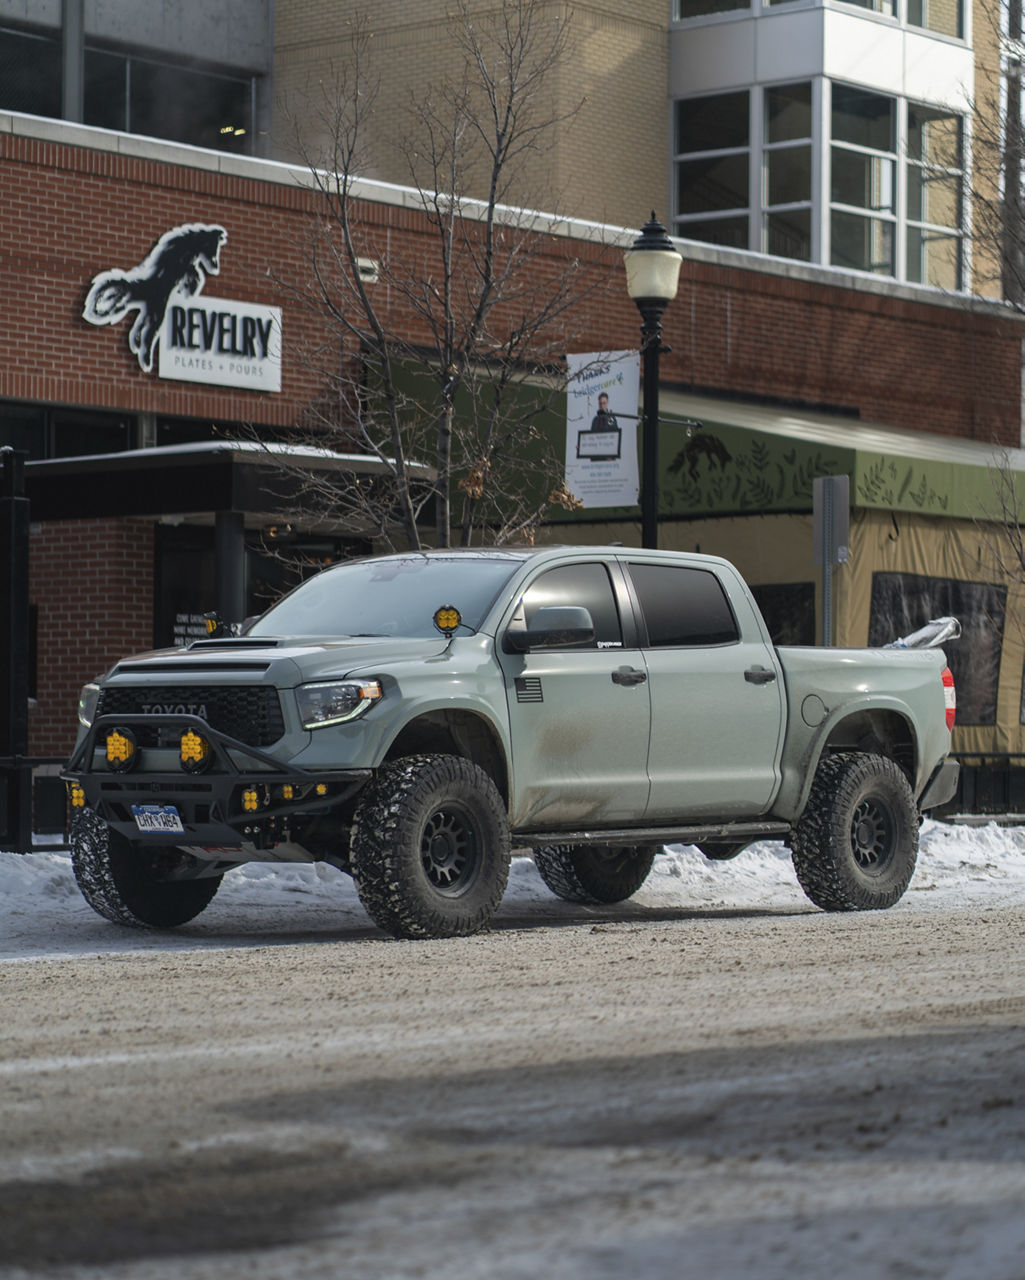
(903, 602)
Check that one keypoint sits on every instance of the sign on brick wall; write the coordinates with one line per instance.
(189, 338)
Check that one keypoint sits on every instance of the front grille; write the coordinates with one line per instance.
(250, 713)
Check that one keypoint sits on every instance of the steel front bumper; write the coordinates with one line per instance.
(241, 795)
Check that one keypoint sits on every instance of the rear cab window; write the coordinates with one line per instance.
(682, 606)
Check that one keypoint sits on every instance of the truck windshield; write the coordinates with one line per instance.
(391, 596)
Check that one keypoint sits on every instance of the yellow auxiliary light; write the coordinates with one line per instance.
(447, 619)
(321, 788)
(194, 752)
(288, 791)
(121, 750)
(77, 796)
(250, 800)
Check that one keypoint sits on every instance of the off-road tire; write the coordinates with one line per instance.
(720, 851)
(128, 883)
(856, 844)
(593, 873)
(430, 847)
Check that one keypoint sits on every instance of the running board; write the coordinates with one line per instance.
(710, 833)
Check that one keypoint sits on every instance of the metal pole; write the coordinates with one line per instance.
(230, 565)
(651, 338)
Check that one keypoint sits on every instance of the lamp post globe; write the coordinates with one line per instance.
(652, 275)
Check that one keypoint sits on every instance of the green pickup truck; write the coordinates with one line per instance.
(410, 718)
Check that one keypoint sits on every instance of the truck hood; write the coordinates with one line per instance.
(283, 661)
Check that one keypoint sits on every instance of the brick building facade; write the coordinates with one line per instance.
(77, 202)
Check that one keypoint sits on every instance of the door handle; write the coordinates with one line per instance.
(759, 675)
(629, 675)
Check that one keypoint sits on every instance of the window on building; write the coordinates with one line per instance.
(787, 160)
(42, 431)
(896, 188)
(935, 174)
(30, 73)
(945, 17)
(789, 611)
(700, 8)
(863, 159)
(134, 94)
(713, 156)
(875, 6)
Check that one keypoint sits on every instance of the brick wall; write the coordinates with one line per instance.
(92, 583)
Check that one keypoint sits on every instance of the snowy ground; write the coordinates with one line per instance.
(714, 1081)
(43, 914)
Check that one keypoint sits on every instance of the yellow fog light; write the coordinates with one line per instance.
(288, 792)
(447, 619)
(121, 750)
(77, 796)
(321, 788)
(194, 752)
(250, 800)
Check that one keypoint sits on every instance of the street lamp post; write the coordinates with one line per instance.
(652, 274)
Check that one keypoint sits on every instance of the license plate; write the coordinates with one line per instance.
(158, 819)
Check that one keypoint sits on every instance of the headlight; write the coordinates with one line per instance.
(335, 702)
(87, 702)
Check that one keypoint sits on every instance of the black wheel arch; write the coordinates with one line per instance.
(455, 732)
(876, 732)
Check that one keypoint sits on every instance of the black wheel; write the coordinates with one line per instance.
(721, 851)
(593, 873)
(136, 885)
(430, 847)
(856, 844)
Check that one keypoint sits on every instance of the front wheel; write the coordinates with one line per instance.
(856, 844)
(430, 847)
(593, 873)
(136, 885)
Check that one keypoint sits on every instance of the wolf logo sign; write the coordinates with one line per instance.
(178, 264)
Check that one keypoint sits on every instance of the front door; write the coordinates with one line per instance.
(579, 717)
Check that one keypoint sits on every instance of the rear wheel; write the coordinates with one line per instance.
(430, 847)
(134, 884)
(593, 873)
(856, 844)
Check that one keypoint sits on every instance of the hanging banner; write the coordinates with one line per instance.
(601, 428)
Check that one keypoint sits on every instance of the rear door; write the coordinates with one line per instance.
(716, 696)
(579, 717)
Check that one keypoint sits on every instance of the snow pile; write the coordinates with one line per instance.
(42, 912)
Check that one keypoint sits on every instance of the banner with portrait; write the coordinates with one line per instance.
(601, 428)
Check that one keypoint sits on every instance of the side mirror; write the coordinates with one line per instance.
(553, 627)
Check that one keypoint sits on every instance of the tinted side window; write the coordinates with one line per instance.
(585, 585)
(683, 606)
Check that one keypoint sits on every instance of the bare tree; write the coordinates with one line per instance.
(441, 362)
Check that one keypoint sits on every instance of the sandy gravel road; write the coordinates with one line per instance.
(643, 1092)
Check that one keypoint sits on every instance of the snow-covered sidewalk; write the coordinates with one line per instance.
(43, 914)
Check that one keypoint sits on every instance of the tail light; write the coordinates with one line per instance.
(949, 696)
